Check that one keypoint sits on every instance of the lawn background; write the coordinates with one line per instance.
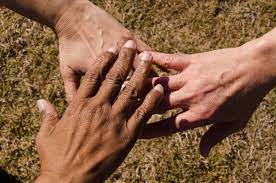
(29, 71)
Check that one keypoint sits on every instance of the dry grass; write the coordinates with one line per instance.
(29, 71)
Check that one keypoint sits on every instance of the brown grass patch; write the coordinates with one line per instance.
(29, 71)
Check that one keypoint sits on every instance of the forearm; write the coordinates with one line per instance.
(46, 12)
(263, 54)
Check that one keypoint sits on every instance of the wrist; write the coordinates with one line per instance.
(79, 175)
(45, 12)
(46, 178)
(58, 10)
(68, 21)
(261, 54)
(49, 178)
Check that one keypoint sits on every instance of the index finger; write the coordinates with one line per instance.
(171, 61)
(90, 84)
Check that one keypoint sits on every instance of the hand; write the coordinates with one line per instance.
(222, 87)
(99, 127)
(84, 31)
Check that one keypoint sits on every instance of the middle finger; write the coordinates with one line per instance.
(118, 73)
(128, 100)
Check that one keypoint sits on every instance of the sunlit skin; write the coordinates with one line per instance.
(83, 30)
(222, 87)
(99, 128)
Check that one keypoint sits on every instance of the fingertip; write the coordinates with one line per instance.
(159, 88)
(146, 57)
(130, 44)
(45, 106)
(49, 115)
(41, 105)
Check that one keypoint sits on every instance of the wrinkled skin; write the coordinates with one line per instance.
(84, 31)
(99, 128)
(222, 87)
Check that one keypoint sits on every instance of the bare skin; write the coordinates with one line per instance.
(222, 87)
(98, 129)
(84, 31)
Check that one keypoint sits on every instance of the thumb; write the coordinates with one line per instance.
(49, 114)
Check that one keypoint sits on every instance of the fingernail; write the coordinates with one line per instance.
(113, 50)
(41, 105)
(159, 88)
(146, 56)
(130, 44)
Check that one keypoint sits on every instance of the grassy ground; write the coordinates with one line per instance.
(29, 71)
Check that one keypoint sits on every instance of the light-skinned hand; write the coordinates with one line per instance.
(84, 31)
(222, 87)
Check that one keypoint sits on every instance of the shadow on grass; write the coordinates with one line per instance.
(7, 178)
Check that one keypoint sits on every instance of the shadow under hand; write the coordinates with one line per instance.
(7, 178)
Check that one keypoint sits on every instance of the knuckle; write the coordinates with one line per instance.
(151, 100)
(91, 76)
(71, 109)
(131, 91)
(116, 76)
(126, 139)
(128, 135)
(126, 55)
(168, 62)
(66, 73)
(141, 72)
(104, 57)
(86, 114)
(142, 112)
(53, 116)
(206, 114)
(116, 131)
(195, 97)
